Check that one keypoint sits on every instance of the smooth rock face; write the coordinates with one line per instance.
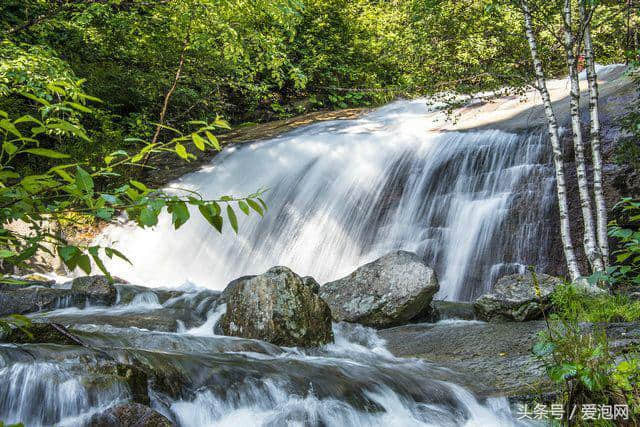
(514, 298)
(279, 307)
(130, 415)
(389, 291)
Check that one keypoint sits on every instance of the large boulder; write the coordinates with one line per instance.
(515, 298)
(130, 415)
(389, 291)
(279, 307)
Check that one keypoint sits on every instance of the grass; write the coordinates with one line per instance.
(571, 303)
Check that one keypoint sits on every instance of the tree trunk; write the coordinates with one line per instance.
(558, 161)
(596, 153)
(589, 238)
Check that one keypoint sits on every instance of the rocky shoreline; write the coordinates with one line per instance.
(94, 319)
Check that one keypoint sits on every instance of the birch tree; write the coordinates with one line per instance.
(586, 14)
(554, 137)
(591, 248)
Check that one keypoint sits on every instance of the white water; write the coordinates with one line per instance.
(343, 193)
(355, 381)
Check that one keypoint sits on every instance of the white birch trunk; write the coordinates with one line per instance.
(589, 239)
(596, 152)
(558, 161)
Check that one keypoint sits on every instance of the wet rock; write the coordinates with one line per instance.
(98, 289)
(22, 300)
(135, 378)
(491, 359)
(162, 319)
(278, 307)
(43, 296)
(40, 333)
(445, 310)
(392, 290)
(130, 415)
(514, 298)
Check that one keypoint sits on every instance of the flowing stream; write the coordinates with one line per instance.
(200, 378)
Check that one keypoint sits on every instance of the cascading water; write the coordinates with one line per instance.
(343, 193)
(198, 378)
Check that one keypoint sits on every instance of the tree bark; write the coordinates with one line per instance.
(554, 137)
(589, 238)
(596, 152)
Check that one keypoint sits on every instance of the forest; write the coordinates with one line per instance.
(472, 163)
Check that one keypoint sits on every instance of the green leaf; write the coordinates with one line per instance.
(80, 107)
(84, 182)
(211, 212)
(9, 147)
(67, 252)
(93, 251)
(233, 220)
(264, 205)
(4, 253)
(148, 216)
(84, 263)
(10, 127)
(255, 206)
(72, 129)
(243, 207)
(198, 141)
(45, 152)
(110, 252)
(140, 186)
(181, 151)
(213, 140)
(179, 213)
(559, 373)
(105, 213)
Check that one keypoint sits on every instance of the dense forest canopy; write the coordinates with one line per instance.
(255, 60)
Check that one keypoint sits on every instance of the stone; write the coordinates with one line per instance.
(514, 298)
(98, 289)
(50, 333)
(279, 307)
(389, 291)
(134, 377)
(130, 415)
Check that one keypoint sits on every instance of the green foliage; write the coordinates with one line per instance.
(578, 359)
(14, 321)
(570, 303)
(624, 230)
(70, 186)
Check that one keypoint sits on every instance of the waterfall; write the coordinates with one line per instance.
(474, 204)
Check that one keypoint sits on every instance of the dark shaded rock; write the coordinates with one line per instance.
(43, 296)
(130, 415)
(515, 298)
(22, 300)
(51, 333)
(444, 310)
(278, 307)
(135, 378)
(98, 289)
(392, 290)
